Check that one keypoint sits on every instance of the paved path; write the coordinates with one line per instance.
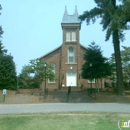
(64, 107)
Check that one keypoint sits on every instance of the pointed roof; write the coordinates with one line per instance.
(70, 18)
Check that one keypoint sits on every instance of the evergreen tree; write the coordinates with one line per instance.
(96, 65)
(114, 18)
(8, 79)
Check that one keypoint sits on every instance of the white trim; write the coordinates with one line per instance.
(93, 81)
(68, 36)
(71, 63)
(73, 36)
(51, 82)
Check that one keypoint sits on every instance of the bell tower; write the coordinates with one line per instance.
(71, 26)
(70, 53)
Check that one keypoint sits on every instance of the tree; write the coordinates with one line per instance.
(26, 80)
(33, 74)
(125, 58)
(8, 79)
(2, 50)
(115, 22)
(96, 65)
(37, 68)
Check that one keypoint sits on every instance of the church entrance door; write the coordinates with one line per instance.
(71, 78)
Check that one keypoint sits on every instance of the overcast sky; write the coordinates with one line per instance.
(32, 28)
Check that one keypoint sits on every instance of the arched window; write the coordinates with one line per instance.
(68, 36)
(73, 36)
(71, 72)
(53, 69)
(70, 55)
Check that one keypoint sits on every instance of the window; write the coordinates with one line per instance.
(68, 36)
(71, 72)
(52, 80)
(70, 55)
(73, 36)
(91, 81)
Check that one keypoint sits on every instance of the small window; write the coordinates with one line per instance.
(54, 71)
(70, 55)
(68, 36)
(91, 81)
(73, 36)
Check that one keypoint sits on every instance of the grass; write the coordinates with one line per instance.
(62, 121)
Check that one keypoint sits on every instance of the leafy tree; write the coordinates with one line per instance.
(96, 65)
(125, 57)
(114, 21)
(26, 80)
(33, 74)
(8, 79)
(37, 68)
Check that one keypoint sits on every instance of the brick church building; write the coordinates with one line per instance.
(67, 59)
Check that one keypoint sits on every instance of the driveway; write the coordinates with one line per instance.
(64, 107)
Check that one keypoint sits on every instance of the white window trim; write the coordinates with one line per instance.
(93, 81)
(68, 38)
(73, 34)
(51, 82)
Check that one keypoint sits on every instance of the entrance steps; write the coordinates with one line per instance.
(79, 97)
(60, 96)
(74, 89)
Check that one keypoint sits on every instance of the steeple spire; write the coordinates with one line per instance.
(65, 14)
(76, 12)
(70, 18)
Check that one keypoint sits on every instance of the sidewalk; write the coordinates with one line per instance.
(64, 107)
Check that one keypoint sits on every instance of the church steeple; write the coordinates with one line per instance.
(70, 18)
(71, 26)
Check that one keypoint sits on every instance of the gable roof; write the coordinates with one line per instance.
(83, 46)
(56, 50)
(50, 52)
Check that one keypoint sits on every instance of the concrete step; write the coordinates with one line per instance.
(73, 89)
(79, 97)
(54, 97)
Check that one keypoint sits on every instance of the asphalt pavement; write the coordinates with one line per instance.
(64, 107)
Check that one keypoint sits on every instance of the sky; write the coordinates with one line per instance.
(32, 28)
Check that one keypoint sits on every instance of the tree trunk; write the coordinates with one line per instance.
(96, 83)
(119, 74)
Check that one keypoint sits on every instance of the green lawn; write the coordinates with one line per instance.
(62, 121)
